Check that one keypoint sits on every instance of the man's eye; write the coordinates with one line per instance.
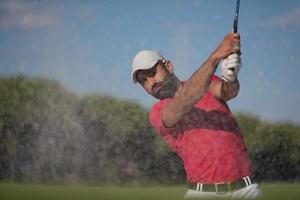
(142, 79)
(152, 73)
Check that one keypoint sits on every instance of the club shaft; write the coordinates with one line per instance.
(236, 16)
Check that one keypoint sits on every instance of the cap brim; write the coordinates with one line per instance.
(133, 74)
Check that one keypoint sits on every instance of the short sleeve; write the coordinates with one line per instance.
(156, 117)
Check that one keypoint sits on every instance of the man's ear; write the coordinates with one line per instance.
(169, 66)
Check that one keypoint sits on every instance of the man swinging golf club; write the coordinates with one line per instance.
(193, 118)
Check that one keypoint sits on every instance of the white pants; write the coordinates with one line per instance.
(249, 192)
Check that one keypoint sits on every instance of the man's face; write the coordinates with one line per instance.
(159, 81)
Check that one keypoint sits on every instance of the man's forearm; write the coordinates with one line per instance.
(229, 90)
(196, 86)
(224, 90)
(191, 92)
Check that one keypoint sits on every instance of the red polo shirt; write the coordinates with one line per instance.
(207, 139)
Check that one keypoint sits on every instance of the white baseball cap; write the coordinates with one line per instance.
(145, 59)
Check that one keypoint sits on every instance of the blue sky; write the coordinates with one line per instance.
(88, 46)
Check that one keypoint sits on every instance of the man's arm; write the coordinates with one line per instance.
(196, 86)
(224, 90)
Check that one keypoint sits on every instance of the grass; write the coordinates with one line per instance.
(10, 191)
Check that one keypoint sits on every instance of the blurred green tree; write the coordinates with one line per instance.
(48, 134)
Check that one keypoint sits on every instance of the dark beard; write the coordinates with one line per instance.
(167, 89)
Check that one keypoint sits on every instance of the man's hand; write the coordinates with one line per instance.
(230, 67)
(229, 45)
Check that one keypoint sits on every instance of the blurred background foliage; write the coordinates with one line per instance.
(51, 135)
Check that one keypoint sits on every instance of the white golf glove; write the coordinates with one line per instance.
(230, 67)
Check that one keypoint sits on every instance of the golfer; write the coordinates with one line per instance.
(193, 118)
